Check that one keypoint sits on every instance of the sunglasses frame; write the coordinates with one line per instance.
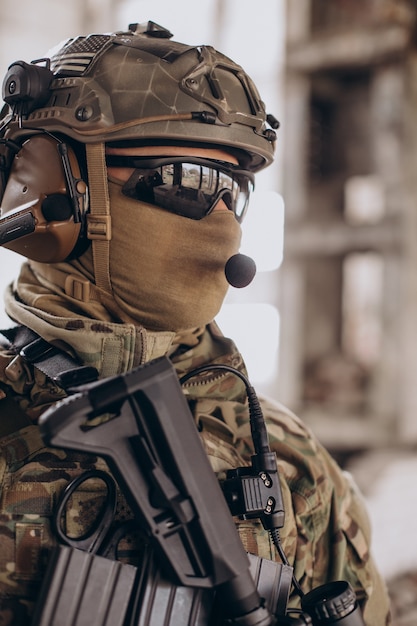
(224, 167)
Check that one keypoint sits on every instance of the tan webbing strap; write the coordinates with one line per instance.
(98, 221)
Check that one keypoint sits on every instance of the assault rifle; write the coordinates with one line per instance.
(197, 561)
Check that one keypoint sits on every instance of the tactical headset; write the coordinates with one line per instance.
(44, 202)
(43, 196)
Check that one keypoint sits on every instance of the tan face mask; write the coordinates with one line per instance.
(167, 271)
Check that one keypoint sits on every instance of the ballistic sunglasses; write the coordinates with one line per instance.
(187, 186)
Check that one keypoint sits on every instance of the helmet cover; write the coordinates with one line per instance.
(140, 87)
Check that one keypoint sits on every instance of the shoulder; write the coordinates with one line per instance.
(280, 419)
(308, 467)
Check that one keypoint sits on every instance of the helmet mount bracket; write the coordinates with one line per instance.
(26, 86)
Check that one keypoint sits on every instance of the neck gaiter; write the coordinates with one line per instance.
(166, 271)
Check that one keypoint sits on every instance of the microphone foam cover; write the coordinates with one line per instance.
(240, 270)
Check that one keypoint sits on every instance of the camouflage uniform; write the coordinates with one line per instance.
(326, 534)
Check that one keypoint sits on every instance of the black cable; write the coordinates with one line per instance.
(260, 441)
(257, 423)
(275, 536)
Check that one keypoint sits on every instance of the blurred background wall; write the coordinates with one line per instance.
(329, 325)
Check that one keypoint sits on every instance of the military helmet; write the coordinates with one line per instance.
(136, 87)
(140, 86)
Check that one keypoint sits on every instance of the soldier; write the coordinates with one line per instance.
(127, 165)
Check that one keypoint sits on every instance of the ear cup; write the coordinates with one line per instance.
(57, 207)
(41, 183)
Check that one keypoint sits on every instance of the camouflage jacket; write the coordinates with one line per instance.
(326, 534)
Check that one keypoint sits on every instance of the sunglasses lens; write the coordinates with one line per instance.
(242, 201)
(189, 189)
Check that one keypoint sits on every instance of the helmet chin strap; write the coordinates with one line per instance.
(99, 219)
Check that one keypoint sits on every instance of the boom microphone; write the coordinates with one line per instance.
(240, 270)
(12, 228)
